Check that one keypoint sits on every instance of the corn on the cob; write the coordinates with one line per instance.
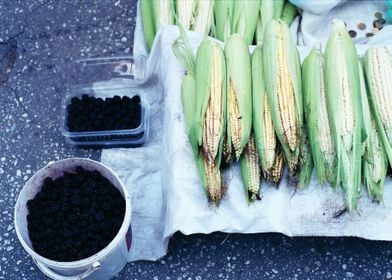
(239, 93)
(269, 10)
(204, 88)
(185, 11)
(250, 168)
(289, 13)
(266, 142)
(282, 73)
(378, 72)
(374, 163)
(148, 22)
(245, 15)
(316, 115)
(344, 109)
(203, 16)
(163, 12)
(223, 14)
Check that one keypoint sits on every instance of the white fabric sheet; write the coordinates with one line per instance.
(166, 193)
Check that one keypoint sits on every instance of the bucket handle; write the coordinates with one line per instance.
(53, 275)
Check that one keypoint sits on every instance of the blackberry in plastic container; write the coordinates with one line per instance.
(89, 113)
(74, 216)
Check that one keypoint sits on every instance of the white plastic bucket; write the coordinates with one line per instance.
(105, 264)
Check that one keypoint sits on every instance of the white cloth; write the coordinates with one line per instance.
(165, 186)
(317, 17)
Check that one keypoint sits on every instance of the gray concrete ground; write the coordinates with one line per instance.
(38, 39)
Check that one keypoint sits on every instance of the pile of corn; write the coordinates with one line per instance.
(217, 18)
(265, 110)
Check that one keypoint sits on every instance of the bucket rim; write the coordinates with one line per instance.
(100, 254)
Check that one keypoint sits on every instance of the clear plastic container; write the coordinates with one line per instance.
(102, 78)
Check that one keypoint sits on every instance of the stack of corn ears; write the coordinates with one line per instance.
(219, 18)
(344, 109)
(282, 73)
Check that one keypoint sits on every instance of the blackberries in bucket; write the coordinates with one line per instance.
(78, 214)
(94, 114)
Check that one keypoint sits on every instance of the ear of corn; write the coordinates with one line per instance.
(250, 169)
(163, 12)
(245, 14)
(185, 11)
(148, 22)
(378, 72)
(223, 14)
(289, 13)
(239, 93)
(374, 163)
(344, 109)
(203, 97)
(268, 10)
(282, 73)
(203, 16)
(316, 115)
(266, 142)
(211, 99)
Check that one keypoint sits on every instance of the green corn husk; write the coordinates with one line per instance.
(282, 73)
(344, 108)
(163, 12)
(148, 22)
(306, 163)
(250, 170)
(185, 10)
(269, 10)
(239, 93)
(266, 142)
(204, 16)
(374, 162)
(223, 14)
(378, 72)
(289, 13)
(245, 14)
(316, 115)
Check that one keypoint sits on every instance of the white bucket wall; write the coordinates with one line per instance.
(105, 264)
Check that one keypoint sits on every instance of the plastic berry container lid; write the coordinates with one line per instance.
(105, 78)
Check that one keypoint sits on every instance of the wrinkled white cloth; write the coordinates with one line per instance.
(317, 17)
(166, 193)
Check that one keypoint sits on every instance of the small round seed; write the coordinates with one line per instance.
(361, 26)
(377, 24)
(369, 34)
(378, 15)
(352, 33)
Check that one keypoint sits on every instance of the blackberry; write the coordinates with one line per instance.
(64, 216)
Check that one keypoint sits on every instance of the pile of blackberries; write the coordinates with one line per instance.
(89, 113)
(74, 216)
